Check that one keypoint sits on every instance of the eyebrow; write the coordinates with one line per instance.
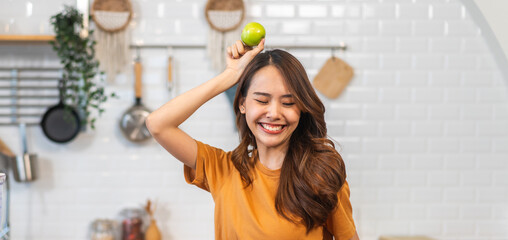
(269, 95)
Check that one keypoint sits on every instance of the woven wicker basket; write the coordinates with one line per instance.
(224, 15)
(112, 15)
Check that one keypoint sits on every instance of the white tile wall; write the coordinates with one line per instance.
(422, 127)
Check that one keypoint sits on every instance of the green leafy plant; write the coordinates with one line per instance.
(80, 67)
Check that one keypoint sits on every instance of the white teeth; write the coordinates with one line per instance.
(272, 128)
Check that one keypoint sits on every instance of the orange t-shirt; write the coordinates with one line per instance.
(249, 213)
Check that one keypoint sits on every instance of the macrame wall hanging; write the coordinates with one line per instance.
(112, 18)
(224, 17)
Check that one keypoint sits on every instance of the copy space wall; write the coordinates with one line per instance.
(423, 126)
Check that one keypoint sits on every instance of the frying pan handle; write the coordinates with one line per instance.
(61, 90)
(138, 69)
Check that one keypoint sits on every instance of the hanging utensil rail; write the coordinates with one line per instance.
(341, 46)
(26, 92)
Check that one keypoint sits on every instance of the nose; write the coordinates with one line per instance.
(273, 110)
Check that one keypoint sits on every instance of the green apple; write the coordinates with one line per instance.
(252, 34)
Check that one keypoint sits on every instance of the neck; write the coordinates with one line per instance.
(272, 157)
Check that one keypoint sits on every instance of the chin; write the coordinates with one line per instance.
(272, 144)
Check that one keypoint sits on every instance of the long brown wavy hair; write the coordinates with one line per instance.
(313, 171)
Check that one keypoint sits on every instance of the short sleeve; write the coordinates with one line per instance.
(213, 165)
(341, 223)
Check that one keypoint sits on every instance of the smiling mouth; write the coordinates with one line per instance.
(271, 128)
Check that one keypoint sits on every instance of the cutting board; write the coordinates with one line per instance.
(333, 77)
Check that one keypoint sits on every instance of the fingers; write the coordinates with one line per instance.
(228, 50)
(241, 48)
(260, 47)
(237, 50)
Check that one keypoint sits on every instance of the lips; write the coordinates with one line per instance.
(272, 128)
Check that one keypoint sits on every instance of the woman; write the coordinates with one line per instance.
(285, 180)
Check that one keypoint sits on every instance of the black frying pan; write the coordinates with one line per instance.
(61, 123)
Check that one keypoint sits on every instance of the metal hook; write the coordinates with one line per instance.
(342, 48)
(138, 55)
(170, 51)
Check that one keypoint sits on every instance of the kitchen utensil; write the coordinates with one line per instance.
(133, 120)
(61, 123)
(24, 165)
(333, 77)
(5, 150)
(170, 83)
(153, 232)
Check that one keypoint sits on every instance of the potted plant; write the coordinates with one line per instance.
(81, 75)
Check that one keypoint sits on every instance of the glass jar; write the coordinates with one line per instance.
(4, 206)
(103, 229)
(132, 224)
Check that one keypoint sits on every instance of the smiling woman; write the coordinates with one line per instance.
(285, 180)
(269, 110)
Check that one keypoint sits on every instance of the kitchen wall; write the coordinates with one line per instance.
(423, 126)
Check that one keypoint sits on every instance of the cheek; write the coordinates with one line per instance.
(252, 111)
(251, 115)
(294, 116)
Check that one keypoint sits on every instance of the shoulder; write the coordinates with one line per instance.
(214, 159)
(213, 166)
(206, 150)
(345, 189)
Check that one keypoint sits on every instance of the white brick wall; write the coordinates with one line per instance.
(422, 126)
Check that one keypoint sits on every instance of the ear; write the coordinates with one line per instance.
(242, 105)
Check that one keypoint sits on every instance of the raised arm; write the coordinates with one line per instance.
(164, 123)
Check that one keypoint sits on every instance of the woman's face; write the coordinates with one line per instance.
(270, 110)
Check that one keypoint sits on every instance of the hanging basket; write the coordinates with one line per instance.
(224, 15)
(112, 15)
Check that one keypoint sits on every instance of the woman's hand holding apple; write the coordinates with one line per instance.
(239, 55)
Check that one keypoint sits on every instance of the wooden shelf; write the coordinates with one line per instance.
(26, 38)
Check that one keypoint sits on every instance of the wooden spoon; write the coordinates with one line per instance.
(5, 150)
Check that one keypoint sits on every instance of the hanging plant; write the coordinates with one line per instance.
(81, 73)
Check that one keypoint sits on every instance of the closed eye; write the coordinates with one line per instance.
(263, 102)
(289, 104)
